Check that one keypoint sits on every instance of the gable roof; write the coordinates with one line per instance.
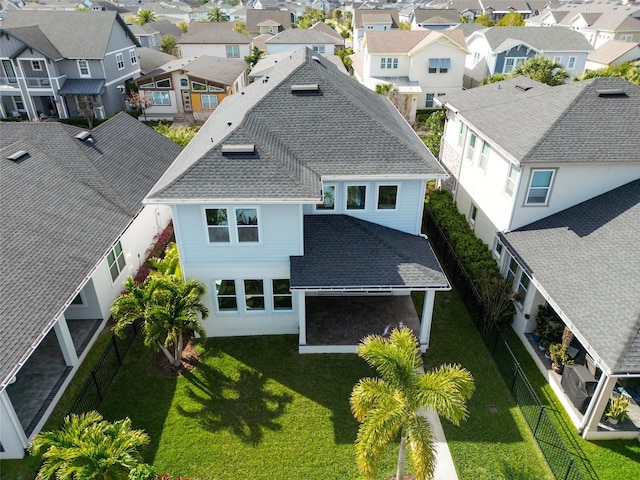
(151, 59)
(437, 15)
(611, 51)
(542, 39)
(301, 36)
(68, 32)
(587, 259)
(323, 27)
(295, 137)
(34, 38)
(403, 41)
(257, 16)
(62, 209)
(269, 62)
(217, 69)
(376, 15)
(555, 124)
(213, 33)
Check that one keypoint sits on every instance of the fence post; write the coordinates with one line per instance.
(95, 382)
(569, 467)
(115, 347)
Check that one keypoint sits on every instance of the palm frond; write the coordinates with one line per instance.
(421, 443)
(446, 390)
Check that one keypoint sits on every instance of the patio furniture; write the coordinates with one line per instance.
(579, 384)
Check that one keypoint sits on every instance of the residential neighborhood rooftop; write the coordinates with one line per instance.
(542, 39)
(217, 69)
(213, 32)
(402, 41)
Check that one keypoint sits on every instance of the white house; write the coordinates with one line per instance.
(296, 220)
(421, 64)
(295, 38)
(376, 20)
(547, 186)
(74, 228)
(216, 39)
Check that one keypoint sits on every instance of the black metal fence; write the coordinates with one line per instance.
(559, 458)
(102, 375)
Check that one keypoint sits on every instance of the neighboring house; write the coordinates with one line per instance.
(299, 223)
(435, 18)
(193, 86)
(421, 64)
(338, 40)
(599, 22)
(73, 228)
(542, 175)
(501, 49)
(496, 9)
(150, 59)
(217, 39)
(260, 21)
(613, 53)
(269, 62)
(151, 34)
(58, 64)
(174, 11)
(369, 19)
(296, 38)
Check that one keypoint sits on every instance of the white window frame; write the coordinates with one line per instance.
(80, 64)
(483, 159)
(473, 214)
(428, 103)
(515, 62)
(548, 188)
(378, 185)
(318, 48)
(471, 150)
(193, 84)
(120, 61)
(462, 133)
(163, 97)
(36, 65)
(571, 64)
(389, 63)
(119, 261)
(245, 296)
(208, 97)
(233, 51)
(133, 56)
(498, 249)
(216, 296)
(346, 197)
(226, 227)
(521, 289)
(161, 84)
(511, 182)
(511, 271)
(234, 237)
(280, 295)
(320, 206)
(439, 65)
(626, 37)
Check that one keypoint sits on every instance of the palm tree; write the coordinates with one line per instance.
(216, 14)
(90, 448)
(395, 403)
(167, 307)
(542, 69)
(145, 16)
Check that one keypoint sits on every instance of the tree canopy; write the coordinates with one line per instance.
(216, 14)
(626, 70)
(484, 19)
(511, 19)
(145, 16)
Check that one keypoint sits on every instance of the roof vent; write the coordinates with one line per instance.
(316, 58)
(611, 93)
(18, 156)
(83, 135)
(238, 149)
(306, 88)
(523, 88)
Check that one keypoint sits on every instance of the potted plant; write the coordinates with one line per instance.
(617, 410)
(559, 357)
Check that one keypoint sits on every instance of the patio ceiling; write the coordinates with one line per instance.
(346, 253)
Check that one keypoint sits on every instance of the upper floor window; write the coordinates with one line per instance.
(36, 65)
(461, 134)
(512, 269)
(217, 225)
(133, 56)
(571, 64)
(116, 261)
(198, 87)
(387, 197)
(226, 295)
(539, 187)
(120, 61)
(247, 224)
(390, 62)
(165, 83)
(471, 146)
(243, 227)
(498, 248)
(429, 100)
(484, 156)
(159, 98)
(233, 51)
(318, 48)
(439, 65)
(510, 63)
(209, 102)
(329, 198)
(512, 177)
(626, 38)
(356, 197)
(184, 83)
(83, 68)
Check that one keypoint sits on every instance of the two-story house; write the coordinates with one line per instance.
(496, 9)
(501, 49)
(217, 39)
(434, 18)
(65, 64)
(73, 228)
(271, 20)
(150, 34)
(372, 20)
(191, 86)
(549, 178)
(613, 53)
(296, 38)
(420, 64)
(298, 220)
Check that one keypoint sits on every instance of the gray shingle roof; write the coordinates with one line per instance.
(256, 16)
(587, 259)
(62, 209)
(213, 33)
(35, 38)
(217, 69)
(151, 59)
(437, 15)
(363, 254)
(376, 15)
(69, 32)
(343, 129)
(568, 123)
(542, 39)
(301, 36)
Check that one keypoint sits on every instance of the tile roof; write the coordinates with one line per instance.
(68, 31)
(343, 129)
(555, 124)
(611, 51)
(587, 259)
(217, 69)
(213, 33)
(363, 255)
(62, 209)
(542, 39)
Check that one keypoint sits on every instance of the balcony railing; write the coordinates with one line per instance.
(38, 82)
(8, 82)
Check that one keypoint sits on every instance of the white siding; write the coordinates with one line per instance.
(329, 48)
(215, 50)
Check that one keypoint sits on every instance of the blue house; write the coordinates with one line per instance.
(299, 204)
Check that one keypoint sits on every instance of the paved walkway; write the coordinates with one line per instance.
(445, 470)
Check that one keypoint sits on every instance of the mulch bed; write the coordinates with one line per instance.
(190, 358)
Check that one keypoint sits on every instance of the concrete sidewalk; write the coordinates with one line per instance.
(445, 470)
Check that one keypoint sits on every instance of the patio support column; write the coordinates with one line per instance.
(598, 404)
(66, 342)
(302, 318)
(425, 321)
(12, 434)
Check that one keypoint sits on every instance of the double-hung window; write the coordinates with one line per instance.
(510, 63)
(429, 101)
(120, 61)
(539, 187)
(233, 51)
(461, 134)
(498, 248)
(389, 63)
(83, 68)
(241, 228)
(523, 286)
(512, 269)
(471, 146)
(133, 56)
(484, 156)
(387, 197)
(116, 261)
(512, 177)
(356, 197)
(571, 64)
(329, 198)
(209, 102)
(318, 48)
(217, 225)
(226, 295)
(254, 295)
(282, 294)
(247, 224)
(439, 65)
(473, 213)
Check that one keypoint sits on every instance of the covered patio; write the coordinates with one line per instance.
(356, 278)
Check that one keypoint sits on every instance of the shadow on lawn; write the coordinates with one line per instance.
(243, 405)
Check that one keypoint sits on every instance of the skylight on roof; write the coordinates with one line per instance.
(523, 87)
(83, 135)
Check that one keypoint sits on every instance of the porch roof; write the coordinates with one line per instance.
(587, 259)
(346, 253)
(82, 86)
